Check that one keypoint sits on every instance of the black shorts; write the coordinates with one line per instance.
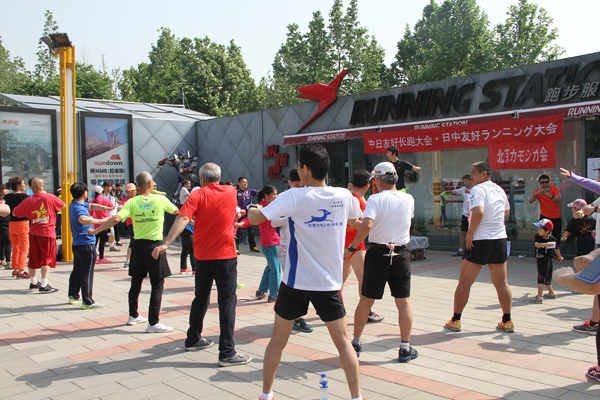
(293, 303)
(378, 272)
(487, 252)
(544, 267)
(464, 224)
(143, 264)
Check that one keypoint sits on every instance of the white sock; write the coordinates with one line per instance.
(33, 280)
(356, 340)
(264, 396)
(405, 345)
(358, 398)
(44, 282)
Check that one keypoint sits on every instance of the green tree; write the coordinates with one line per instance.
(321, 53)
(12, 71)
(214, 78)
(525, 37)
(451, 39)
(92, 84)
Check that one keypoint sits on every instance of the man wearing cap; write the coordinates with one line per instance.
(386, 220)
(400, 166)
(549, 199)
(486, 244)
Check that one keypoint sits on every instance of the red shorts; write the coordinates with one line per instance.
(42, 251)
(350, 238)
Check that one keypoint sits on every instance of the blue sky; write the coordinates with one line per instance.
(123, 31)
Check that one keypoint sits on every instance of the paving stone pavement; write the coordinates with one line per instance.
(52, 350)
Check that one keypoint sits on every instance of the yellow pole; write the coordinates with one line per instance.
(68, 142)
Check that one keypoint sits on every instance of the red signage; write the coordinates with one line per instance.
(281, 160)
(522, 155)
(535, 130)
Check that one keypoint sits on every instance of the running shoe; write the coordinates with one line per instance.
(73, 300)
(92, 306)
(374, 317)
(114, 248)
(272, 299)
(126, 265)
(7, 266)
(244, 242)
(260, 295)
(185, 271)
(136, 320)
(240, 285)
(550, 296)
(159, 327)
(458, 253)
(203, 343)
(47, 289)
(586, 327)
(455, 326)
(357, 348)
(506, 326)
(118, 244)
(301, 325)
(23, 275)
(236, 359)
(15, 272)
(536, 299)
(593, 373)
(254, 250)
(405, 355)
(36, 285)
(103, 261)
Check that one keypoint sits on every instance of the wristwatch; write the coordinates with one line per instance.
(351, 249)
(252, 205)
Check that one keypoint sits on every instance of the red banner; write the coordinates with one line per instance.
(522, 155)
(534, 130)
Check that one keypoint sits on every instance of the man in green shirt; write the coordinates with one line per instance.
(147, 212)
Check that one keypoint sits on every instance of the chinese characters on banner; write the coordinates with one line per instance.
(522, 155)
(505, 135)
(281, 160)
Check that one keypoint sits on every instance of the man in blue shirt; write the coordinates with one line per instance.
(84, 247)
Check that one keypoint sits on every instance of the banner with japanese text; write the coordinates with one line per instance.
(522, 155)
(533, 130)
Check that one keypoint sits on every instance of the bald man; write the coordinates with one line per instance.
(40, 209)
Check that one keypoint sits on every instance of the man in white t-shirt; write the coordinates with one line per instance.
(486, 244)
(386, 220)
(465, 192)
(313, 267)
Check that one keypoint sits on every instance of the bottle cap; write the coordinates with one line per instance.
(323, 375)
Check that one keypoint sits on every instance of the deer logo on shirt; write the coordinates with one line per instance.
(320, 219)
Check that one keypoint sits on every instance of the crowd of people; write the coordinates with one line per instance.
(312, 237)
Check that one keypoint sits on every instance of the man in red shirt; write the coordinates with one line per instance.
(213, 209)
(40, 209)
(549, 199)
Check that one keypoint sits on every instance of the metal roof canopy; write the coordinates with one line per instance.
(138, 110)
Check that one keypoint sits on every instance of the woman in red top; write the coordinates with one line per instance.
(102, 237)
(269, 242)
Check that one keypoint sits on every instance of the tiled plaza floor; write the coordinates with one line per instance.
(50, 349)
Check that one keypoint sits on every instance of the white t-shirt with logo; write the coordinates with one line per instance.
(317, 229)
(463, 192)
(391, 212)
(494, 201)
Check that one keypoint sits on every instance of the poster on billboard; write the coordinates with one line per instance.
(106, 142)
(28, 143)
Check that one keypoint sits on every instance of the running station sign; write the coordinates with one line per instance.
(512, 143)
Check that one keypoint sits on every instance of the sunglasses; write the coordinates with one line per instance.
(544, 182)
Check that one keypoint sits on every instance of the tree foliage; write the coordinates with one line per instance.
(213, 78)
(454, 39)
(323, 52)
(12, 71)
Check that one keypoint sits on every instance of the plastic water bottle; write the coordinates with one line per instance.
(324, 388)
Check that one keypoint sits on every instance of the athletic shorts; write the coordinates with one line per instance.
(42, 251)
(487, 252)
(378, 272)
(143, 264)
(293, 303)
(350, 238)
(464, 224)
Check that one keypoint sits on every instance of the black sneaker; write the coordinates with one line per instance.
(36, 285)
(357, 348)
(301, 325)
(586, 328)
(203, 343)
(236, 359)
(593, 373)
(47, 289)
(405, 355)
(374, 317)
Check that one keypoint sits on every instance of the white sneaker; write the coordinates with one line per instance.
(158, 328)
(137, 320)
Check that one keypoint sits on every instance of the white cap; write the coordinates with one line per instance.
(383, 168)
